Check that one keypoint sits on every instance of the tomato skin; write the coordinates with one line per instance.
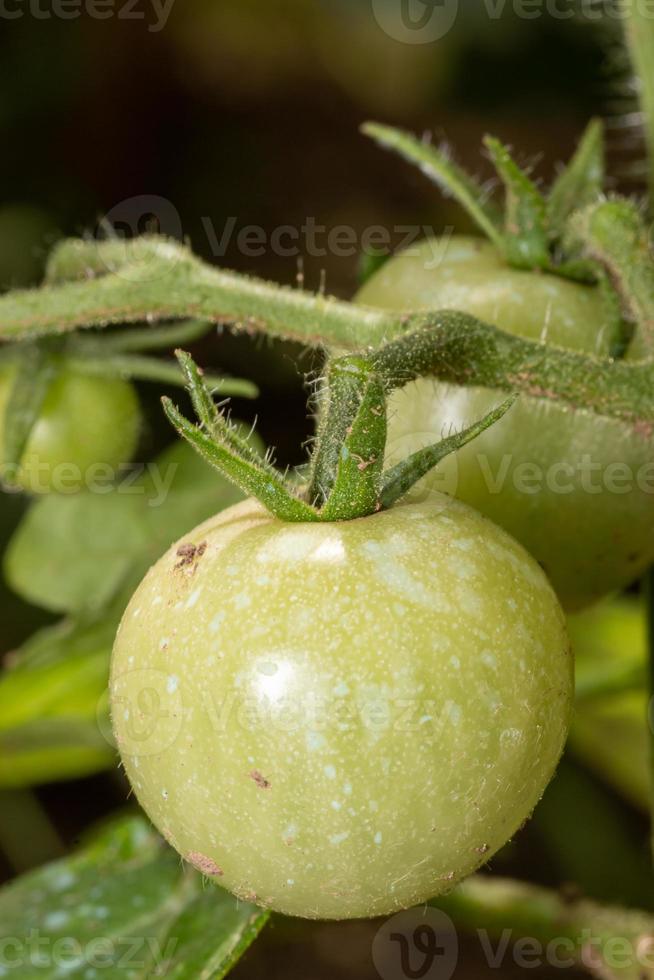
(342, 720)
(574, 512)
(84, 420)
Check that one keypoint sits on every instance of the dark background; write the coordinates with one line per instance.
(249, 110)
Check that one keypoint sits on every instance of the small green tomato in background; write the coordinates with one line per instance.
(85, 420)
(574, 489)
(339, 720)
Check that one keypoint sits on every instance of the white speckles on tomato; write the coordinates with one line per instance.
(323, 711)
(193, 598)
(172, 684)
(453, 712)
(337, 839)
(216, 622)
(315, 741)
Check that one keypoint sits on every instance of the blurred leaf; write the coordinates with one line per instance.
(86, 553)
(126, 908)
(72, 553)
(52, 710)
(609, 732)
(589, 841)
(35, 371)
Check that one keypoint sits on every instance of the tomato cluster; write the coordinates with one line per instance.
(576, 490)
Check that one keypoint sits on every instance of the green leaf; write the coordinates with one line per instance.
(526, 242)
(581, 182)
(142, 368)
(72, 554)
(53, 706)
(442, 170)
(609, 732)
(126, 908)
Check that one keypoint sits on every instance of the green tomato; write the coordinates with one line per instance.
(341, 720)
(86, 424)
(576, 491)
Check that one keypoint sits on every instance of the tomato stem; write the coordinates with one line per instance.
(613, 234)
(467, 351)
(347, 478)
(497, 907)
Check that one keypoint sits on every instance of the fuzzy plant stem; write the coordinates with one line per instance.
(609, 943)
(171, 283)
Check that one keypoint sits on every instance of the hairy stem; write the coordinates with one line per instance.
(610, 943)
(458, 348)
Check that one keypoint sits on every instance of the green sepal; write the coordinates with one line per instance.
(270, 489)
(526, 241)
(442, 170)
(215, 422)
(581, 182)
(399, 480)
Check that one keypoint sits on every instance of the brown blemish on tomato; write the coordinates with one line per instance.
(189, 554)
(204, 864)
(260, 780)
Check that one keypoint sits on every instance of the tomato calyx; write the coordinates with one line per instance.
(530, 231)
(347, 479)
(572, 231)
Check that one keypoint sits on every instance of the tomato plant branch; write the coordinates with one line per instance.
(609, 943)
(175, 284)
(613, 234)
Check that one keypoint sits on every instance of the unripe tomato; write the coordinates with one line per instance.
(85, 420)
(577, 491)
(339, 720)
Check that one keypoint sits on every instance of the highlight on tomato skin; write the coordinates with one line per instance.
(551, 477)
(87, 426)
(344, 719)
